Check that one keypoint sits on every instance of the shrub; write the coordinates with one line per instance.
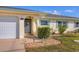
(43, 32)
(62, 28)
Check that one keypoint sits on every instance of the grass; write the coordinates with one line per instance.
(67, 45)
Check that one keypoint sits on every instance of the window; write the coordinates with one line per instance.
(77, 24)
(59, 23)
(62, 23)
(44, 22)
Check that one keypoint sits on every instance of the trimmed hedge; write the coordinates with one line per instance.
(43, 32)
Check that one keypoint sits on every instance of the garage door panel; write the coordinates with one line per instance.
(7, 29)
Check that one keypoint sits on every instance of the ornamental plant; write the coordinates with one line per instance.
(43, 32)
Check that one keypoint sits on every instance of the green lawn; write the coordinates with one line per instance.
(68, 45)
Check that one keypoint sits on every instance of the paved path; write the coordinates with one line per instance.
(11, 45)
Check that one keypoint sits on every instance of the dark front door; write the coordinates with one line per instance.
(27, 26)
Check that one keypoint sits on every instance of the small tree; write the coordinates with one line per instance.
(62, 28)
(43, 32)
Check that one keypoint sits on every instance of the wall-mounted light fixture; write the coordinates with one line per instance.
(21, 18)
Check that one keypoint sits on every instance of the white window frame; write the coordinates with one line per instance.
(45, 24)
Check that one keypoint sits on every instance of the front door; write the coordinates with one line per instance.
(27, 26)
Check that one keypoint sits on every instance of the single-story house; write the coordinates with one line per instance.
(15, 22)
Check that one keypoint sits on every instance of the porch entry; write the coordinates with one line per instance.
(27, 24)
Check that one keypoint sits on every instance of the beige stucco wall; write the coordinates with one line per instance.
(71, 26)
(54, 26)
(21, 26)
(34, 26)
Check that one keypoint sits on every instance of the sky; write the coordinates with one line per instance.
(59, 10)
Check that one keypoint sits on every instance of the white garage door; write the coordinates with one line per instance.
(8, 27)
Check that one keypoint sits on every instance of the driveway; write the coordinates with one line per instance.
(11, 45)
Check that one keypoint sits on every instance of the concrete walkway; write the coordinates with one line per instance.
(11, 45)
